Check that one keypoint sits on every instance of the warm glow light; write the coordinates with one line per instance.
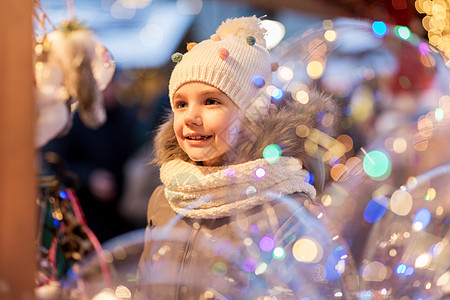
(307, 250)
(285, 73)
(330, 35)
(423, 260)
(315, 69)
(275, 32)
(401, 202)
(302, 97)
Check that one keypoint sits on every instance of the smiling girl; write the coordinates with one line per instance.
(215, 172)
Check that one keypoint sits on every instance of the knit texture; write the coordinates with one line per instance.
(213, 192)
(234, 74)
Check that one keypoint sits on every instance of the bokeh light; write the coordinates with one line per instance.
(258, 80)
(401, 202)
(335, 264)
(379, 29)
(315, 69)
(422, 219)
(403, 32)
(219, 268)
(377, 164)
(272, 153)
(285, 73)
(307, 250)
(279, 253)
(63, 194)
(260, 172)
(375, 209)
(309, 178)
(302, 97)
(330, 35)
(423, 260)
(275, 32)
(267, 243)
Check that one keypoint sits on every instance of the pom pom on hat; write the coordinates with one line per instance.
(242, 28)
(223, 53)
(191, 45)
(177, 57)
(274, 66)
(250, 40)
(215, 37)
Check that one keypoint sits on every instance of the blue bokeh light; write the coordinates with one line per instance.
(409, 271)
(379, 29)
(375, 209)
(335, 264)
(277, 94)
(422, 216)
(309, 178)
(400, 269)
(62, 194)
(258, 80)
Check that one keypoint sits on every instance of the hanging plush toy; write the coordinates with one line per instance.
(72, 67)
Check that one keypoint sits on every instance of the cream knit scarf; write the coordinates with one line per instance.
(213, 192)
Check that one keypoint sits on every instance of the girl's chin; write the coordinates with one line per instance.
(209, 162)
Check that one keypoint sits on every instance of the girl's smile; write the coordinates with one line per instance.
(206, 122)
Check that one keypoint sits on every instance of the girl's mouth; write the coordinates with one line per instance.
(198, 137)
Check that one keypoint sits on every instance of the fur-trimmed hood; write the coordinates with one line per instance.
(282, 126)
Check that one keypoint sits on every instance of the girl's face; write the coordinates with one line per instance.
(206, 122)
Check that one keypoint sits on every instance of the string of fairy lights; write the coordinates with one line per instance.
(436, 22)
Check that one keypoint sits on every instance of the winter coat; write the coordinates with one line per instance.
(235, 257)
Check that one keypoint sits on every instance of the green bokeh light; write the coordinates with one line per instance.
(278, 253)
(219, 268)
(272, 153)
(439, 114)
(377, 165)
(403, 32)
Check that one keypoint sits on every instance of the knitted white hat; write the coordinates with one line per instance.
(234, 60)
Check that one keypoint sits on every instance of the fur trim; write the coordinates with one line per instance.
(278, 127)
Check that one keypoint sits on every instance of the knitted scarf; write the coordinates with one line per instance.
(213, 192)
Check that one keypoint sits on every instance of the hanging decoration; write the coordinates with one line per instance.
(71, 69)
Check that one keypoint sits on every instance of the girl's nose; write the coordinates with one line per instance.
(193, 116)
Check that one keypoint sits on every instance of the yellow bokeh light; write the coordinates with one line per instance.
(431, 194)
(422, 260)
(302, 131)
(326, 200)
(399, 145)
(285, 73)
(330, 35)
(436, 22)
(123, 292)
(307, 250)
(374, 271)
(315, 69)
(302, 97)
(401, 202)
(444, 279)
(337, 172)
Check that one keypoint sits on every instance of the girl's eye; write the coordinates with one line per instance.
(180, 104)
(211, 102)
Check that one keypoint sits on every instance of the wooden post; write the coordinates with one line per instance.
(17, 169)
